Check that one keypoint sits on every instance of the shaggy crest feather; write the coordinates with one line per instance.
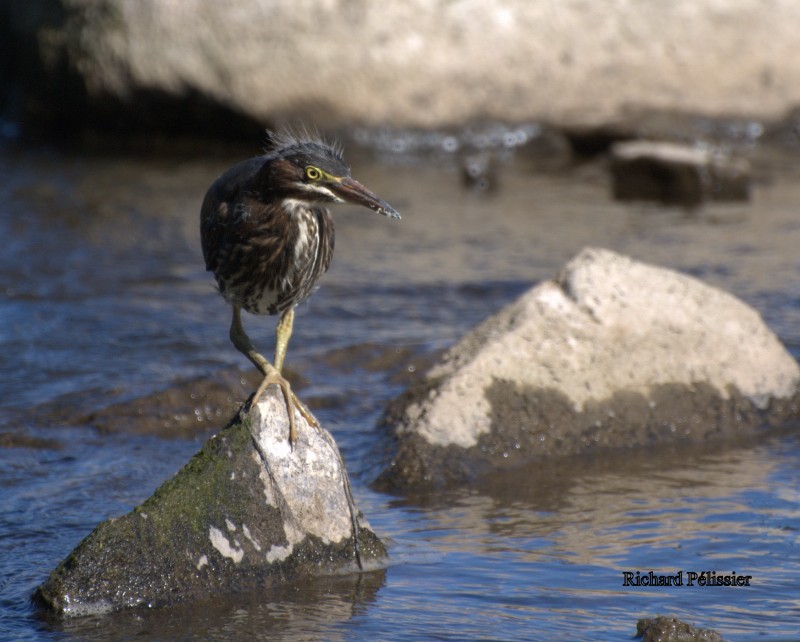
(290, 139)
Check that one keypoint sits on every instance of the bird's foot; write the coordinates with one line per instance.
(291, 400)
(305, 412)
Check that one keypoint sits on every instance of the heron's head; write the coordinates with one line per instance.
(311, 171)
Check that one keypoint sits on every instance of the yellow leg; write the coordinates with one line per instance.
(282, 335)
(272, 374)
(283, 332)
(242, 342)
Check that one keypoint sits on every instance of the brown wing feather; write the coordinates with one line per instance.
(218, 204)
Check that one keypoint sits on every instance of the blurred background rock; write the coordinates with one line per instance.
(231, 68)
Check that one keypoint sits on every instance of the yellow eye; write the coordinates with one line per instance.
(312, 173)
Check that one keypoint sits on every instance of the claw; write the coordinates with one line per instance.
(290, 399)
(275, 377)
(305, 412)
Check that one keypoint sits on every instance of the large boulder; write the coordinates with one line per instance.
(419, 63)
(247, 511)
(611, 354)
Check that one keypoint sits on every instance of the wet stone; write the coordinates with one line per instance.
(612, 354)
(248, 511)
(677, 174)
(670, 629)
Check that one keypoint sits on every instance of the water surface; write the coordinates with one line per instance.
(104, 300)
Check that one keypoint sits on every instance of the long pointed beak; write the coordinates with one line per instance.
(352, 191)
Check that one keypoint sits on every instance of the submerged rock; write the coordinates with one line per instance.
(479, 172)
(247, 511)
(670, 629)
(185, 409)
(673, 173)
(611, 354)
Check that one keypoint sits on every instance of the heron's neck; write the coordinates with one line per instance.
(295, 207)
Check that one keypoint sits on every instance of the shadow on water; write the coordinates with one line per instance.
(116, 365)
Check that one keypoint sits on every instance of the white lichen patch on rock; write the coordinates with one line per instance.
(224, 546)
(203, 561)
(278, 553)
(252, 539)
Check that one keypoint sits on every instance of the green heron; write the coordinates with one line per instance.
(268, 238)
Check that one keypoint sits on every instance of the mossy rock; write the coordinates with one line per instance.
(248, 510)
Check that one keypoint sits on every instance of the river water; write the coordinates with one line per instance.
(106, 312)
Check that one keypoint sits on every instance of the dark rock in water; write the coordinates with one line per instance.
(247, 511)
(611, 354)
(182, 410)
(670, 629)
(676, 174)
(478, 172)
(22, 440)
